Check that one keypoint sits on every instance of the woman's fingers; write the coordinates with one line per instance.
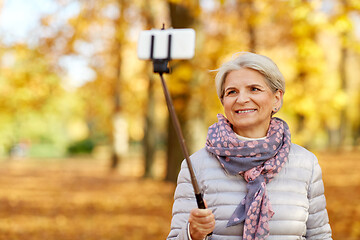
(201, 215)
(202, 222)
(196, 212)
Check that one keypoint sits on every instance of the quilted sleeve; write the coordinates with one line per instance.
(318, 226)
(184, 202)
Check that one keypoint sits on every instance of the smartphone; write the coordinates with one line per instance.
(166, 44)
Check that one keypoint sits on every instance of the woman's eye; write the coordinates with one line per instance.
(254, 89)
(230, 92)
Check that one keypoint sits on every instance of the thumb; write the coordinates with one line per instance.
(206, 206)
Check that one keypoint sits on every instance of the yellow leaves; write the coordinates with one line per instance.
(291, 28)
(309, 49)
(184, 71)
(340, 186)
(319, 19)
(306, 106)
(135, 132)
(340, 100)
(301, 12)
(77, 129)
(343, 24)
(77, 199)
(355, 4)
(46, 21)
(355, 233)
(180, 79)
(29, 80)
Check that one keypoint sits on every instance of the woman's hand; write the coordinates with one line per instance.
(202, 222)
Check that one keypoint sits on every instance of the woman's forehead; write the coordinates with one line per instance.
(244, 77)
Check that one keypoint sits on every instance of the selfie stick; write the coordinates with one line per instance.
(160, 66)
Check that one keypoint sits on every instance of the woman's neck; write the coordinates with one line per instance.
(248, 139)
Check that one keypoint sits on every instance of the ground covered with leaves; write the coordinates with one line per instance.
(79, 199)
(341, 175)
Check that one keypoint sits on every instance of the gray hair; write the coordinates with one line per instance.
(262, 64)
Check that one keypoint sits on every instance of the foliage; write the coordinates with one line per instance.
(34, 106)
(315, 44)
(82, 146)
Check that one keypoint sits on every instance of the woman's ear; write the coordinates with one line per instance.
(278, 98)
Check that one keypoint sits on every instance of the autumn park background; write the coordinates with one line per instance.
(87, 150)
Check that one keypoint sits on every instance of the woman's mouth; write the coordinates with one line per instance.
(245, 111)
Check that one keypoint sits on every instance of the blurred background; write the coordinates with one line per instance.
(87, 150)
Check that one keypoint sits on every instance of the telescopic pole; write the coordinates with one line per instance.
(175, 121)
(160, 66)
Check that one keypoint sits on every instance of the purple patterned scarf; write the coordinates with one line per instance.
(258, 161)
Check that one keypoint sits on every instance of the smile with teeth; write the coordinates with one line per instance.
(245, 111)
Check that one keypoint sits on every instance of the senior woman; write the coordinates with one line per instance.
(256, 183)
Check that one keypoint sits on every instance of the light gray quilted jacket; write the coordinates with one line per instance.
(296, 195)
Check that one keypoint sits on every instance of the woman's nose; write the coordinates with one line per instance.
(242, 97)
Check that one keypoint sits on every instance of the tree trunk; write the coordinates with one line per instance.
(149, 142)
(337, 136)
(251, 26)
(150, 132)
(115, 158)
(180, 18)
(343, 86)
(247, 14)
(119, 128)
(174, 154)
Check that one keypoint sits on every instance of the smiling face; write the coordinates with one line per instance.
(249, 102)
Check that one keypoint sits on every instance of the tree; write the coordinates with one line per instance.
(31, 109)
(100, 37)
(149, 141)
(181, 17)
